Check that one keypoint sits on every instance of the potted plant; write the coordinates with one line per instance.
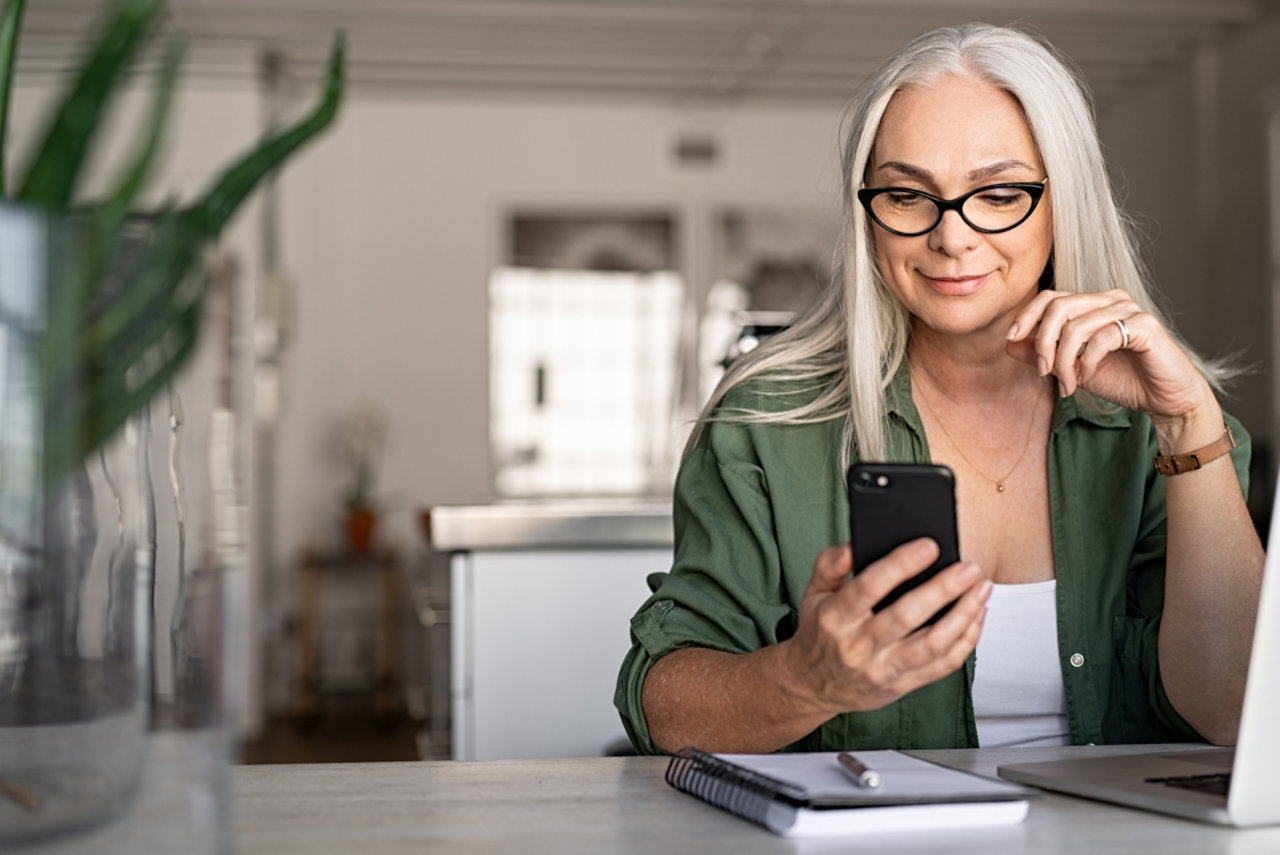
(134, 339)
(98, 314)
(363, 433)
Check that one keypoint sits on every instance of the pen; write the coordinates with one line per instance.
(862, 776)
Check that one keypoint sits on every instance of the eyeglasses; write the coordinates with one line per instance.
(992, 209)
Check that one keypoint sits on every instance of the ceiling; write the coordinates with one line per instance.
(667, 51)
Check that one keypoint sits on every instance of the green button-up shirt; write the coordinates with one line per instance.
(754, 504)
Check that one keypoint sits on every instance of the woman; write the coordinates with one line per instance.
(990, 314)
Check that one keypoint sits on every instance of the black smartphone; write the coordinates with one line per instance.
(892, 503)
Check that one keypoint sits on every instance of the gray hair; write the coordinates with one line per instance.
(849, 345)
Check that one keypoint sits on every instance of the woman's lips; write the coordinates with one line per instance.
(956, 286)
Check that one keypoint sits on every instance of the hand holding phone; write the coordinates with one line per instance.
(846, 658)
(893, 503)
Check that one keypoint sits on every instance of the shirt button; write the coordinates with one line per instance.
(1077, 660)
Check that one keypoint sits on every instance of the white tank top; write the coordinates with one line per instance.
(1018, 697)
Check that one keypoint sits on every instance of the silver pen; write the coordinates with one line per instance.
(866, 778)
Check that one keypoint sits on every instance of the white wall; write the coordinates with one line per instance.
(392, 226)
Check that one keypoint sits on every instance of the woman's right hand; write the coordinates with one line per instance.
(848, 658)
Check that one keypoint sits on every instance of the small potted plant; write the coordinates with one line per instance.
(363, 433)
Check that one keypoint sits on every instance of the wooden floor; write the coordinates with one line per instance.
(334, 738)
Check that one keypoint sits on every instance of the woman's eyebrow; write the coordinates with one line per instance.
(907, 169)
(998, 168)
(982, 172)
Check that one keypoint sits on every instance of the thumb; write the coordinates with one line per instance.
(830, 569)
(1023, 350)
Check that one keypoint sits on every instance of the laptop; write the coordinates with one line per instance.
(1227, 786)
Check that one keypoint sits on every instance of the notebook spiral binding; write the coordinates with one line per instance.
(739, 791)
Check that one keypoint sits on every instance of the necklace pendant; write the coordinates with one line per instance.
(999, 486)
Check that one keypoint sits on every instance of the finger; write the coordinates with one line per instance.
(871, 584)
(1096, 327)
(1062, 335)
(830, 569)
(921, 648)
(1023, 350)
(1029, 317)
(943, 662)
(1025, 322)
(1107, 341)
(1056, 316)
(913, 608)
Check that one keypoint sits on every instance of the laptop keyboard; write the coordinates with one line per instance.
(1216, 783)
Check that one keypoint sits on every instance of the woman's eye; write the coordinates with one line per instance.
(903, 200)
(1001, 200)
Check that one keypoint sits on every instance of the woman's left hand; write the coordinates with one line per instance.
(1076, 338)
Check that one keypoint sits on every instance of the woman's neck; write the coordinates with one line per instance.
(971, 368)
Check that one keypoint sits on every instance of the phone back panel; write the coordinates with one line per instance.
(892, 503)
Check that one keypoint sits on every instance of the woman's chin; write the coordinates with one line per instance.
(963, 324)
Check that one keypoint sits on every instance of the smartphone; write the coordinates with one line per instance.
(892, 503)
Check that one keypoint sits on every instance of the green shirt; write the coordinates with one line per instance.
(754, 504)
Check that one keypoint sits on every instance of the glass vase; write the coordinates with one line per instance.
(120, 582)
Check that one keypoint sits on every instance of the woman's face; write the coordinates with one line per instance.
(946, 139)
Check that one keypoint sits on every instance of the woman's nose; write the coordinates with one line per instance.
(952, 235)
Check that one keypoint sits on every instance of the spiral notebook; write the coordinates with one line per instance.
(805, 795)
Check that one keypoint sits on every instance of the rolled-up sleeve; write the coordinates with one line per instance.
(724, 590)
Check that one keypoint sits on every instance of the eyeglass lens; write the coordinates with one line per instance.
(989, 209)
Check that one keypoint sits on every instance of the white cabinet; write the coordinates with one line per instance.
(537, 639)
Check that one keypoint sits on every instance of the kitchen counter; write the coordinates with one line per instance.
(551, 524)
(541, 598)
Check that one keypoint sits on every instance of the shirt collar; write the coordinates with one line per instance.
(1082, 406)
(898, 398)
(1092, 409)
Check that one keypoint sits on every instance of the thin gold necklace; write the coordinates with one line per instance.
(1026, 443)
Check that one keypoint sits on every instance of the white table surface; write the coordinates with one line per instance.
(623, 805)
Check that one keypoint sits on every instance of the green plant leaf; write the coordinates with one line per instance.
(105, 224)
(52, 177)
(10, 25)
(113, 211)
(125, 310)
(226, 194)
(102, 360)
(72, 359)
(116, 396)
(93, 417)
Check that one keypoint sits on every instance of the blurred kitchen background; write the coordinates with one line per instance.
(507, 280)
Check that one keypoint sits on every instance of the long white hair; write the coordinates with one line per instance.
(848, 346)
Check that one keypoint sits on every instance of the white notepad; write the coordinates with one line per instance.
(802, 795)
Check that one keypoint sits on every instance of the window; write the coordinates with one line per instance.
(584, 333)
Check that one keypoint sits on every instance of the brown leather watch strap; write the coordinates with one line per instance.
(1176, 464)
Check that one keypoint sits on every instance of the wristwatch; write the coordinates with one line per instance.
(1176, 464)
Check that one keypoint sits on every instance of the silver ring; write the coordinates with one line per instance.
(1124, 333)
